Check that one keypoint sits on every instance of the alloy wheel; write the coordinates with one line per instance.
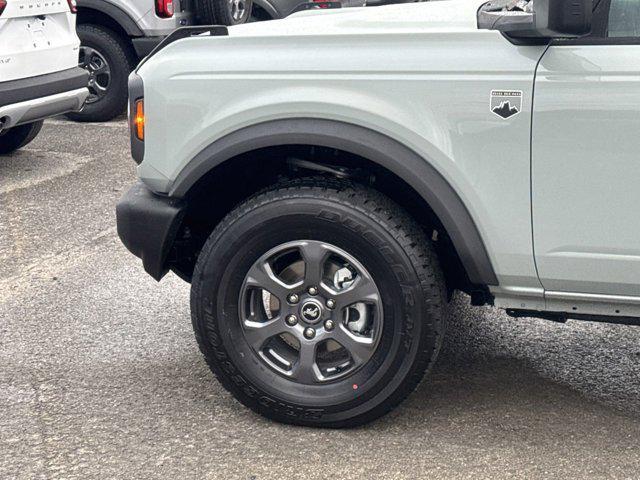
(311, 311)
(99, 72)
(238, 8)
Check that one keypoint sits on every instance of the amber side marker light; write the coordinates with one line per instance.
(138, 119)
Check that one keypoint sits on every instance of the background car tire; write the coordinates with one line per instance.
(109, 48)
(384, 239)
(17, 137)
(223, 12)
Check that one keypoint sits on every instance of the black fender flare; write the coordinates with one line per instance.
(367, 143)
(118, 15)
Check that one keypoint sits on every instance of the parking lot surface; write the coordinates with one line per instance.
(100, 376)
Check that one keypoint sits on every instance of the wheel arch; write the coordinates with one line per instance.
(381, 150)
(268, 8)
(108, 15)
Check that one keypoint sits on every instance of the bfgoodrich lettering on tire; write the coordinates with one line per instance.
(318, 303)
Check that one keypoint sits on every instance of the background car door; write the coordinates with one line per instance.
(586, 157)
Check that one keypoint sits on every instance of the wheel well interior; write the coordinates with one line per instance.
(244, 175)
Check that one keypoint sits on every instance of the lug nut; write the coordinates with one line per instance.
(331, 303)
(293, 298)
(329, 325)
(313, 291)
(309, 333)
(291, 320)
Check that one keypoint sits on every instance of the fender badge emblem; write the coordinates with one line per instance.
(506, 103)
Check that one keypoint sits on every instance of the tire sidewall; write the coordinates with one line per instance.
(241, 243)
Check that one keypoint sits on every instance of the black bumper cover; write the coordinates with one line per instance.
(147, 225)
(16, 91)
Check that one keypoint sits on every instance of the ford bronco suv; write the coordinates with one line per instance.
(325, 206)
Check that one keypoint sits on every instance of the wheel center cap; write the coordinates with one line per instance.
(311, 311)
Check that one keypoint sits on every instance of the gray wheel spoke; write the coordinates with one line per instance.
(360, 348)
(99, 88)
(305, 369)
(237, 9)
(314, 255)
(261, 275)
(258, 333)
(101, 68)
(363, 290)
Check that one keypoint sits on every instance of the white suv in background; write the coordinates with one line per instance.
(39, 73)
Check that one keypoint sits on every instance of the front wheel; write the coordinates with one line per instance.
(17, 137)
(318, 303)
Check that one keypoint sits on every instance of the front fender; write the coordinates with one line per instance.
(428, 91)
(374, 146)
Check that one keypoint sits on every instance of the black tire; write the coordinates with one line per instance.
(120, 61)
(221, 12)
(384, 239)
(17, 137)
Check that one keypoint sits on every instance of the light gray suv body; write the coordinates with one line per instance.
(116, 34)
(489, 148)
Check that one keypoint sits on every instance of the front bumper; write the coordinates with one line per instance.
(147, 226)
(30, 99)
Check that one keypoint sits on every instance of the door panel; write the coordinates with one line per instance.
(586, 169)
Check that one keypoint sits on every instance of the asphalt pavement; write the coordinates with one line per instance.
(100, 376)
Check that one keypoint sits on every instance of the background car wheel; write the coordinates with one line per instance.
(109, 62)
(318, 303)
(17, 137)
(223, 12)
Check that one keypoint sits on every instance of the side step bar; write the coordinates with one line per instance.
(562, 317)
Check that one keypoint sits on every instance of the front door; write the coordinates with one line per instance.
(586, 158)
